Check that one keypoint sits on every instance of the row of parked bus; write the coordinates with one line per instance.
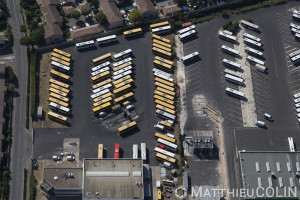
(92, 44)
(59, 90)
(187, 32)
(296, 99)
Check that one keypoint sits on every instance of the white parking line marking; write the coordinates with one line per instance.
(291, 50)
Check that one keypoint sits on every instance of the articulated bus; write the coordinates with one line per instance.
(100, 151)
(164, 82)
(165, 115)
(182, 31)
(124, 97)
(123, 54)
(122, 62)
(162, 76)
(121, 90)
(235, 93)
(60, 88)
(135, 151)
(190, 57)
(227, 37)
(252, 37)
(231, 51)
(158, 84)
(100, 71)
(101, 108)
(102, 59)
(165, 91)
(161, 52)
(162, 151)
(173, 112)
(127, 127)
(159, 24)
(162, 136)
(162, 47)
(62, 53)
(161, 30)
(58, 92)
(60, 57)
(163, 99)
(230, 63)
(54, 95)
(60, 67)
(60, 61)
(59, 108)
(85, 45)
(169, 62)
(57, 117)
(162, 44)
(93, 96)
(106, 64)
(122, 66)
(249, 25)
(107, 81)
(132, 32)
(124, 83)
(162, 65)
(161, 38)
(164, 95)
(100, 98)
(121, 80)
(107, 39)
(108, 99)
(107, 86)
(163, 157)
(59, 83)
(100, 77)
(122, 75)
(157, 101)
(169, 145)
(59, 75)
(117, 151)
(121, 71)
(51, 99)
(166, 124)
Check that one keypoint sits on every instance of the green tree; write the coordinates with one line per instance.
(101, 18)
(85, 11)
(75, 14)
(26, 40)
(23, 28)
(38, 35)
(10, 74)
(136, 16)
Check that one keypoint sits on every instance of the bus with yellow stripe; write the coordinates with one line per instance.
(122, 66)
(121, 80)
(121, 90)
(163, 99)
(57, 92)
(160, 156)
(59, 75)
(102, 59)
(161, 52)
(124, 129)
(158, 84)
(124, 83)
(100, 151)
(164, 82)
(62, 53)
(159, 93)
(124, 97)
(157, 101)
(51, 99)
(162, 65)
(162, 136)
(132, 32)
(100, 98)
(61, 84)
(166, 124)
(162, 47)
(60, 57)
(108, 99)
(159, 24)
(59, 97)
(154, 36)
(60, 61)
(101, 108)
(158, 106)
(165, 91)
(101, 83)
(60, 88)
(57, 117)
(162, 43)
(100, 77)
(169, 62)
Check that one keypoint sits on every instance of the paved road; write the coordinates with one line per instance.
(21, 146)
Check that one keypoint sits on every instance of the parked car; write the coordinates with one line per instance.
(102, 114)
(86, 24)
(130, 107)
(70, 158)
(161, 146)
(169, 190)
(56, 158)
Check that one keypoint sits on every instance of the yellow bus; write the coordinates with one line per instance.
(65, 99)
(164, 99)
(60, 57)
(165, 91)
(166, 124)
(59, 75)
(164, 81)
(161, 52)
(158, 84)
(60, 61)
(160, 156)
(100, 151)
(169, 62)
(121, 90)
(108, 99)
(162, 65)
(100, 77)
(163, 95)
(164, 104)
(127, 127)
(59, 88)
(162, 47)
(102, 59)
(57, 117)
(59, 83)
(62, 53)
(101, 108)
(159, 24)
(132, 32)
(162, 43)
(162, 136)
(122, 66)
(173, 112)
(51, 99)
(102, 97)
(61, 93)
(161, 38)
(124, 97)
(101, 83)
(124, 83)
(121, 80)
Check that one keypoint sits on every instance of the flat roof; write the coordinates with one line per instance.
(113, 179)
(277, 170)
(63, 182)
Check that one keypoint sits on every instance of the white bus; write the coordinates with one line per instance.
(291, 144)
(122, 55)
(158, 71)
(143, 151)
(233, 73)
(225, 36)
(107, 39)
(234, 79)
(162, 151)
(189, 57)
(187, 35)
(231, 64)
(229, 50)
(227, 32)
(192, 27)
(249, 25)
(122, 75)
(101, 66)
(255, 60)
(261, 68)
(107, 86)
(296, 16)
(253, 52)
(234, 93)
(164, 77)
(60, 67)
(296, 96)
(295, 59)
(121, 71)
(59, 108)
(169, 145)
(122, 62)
(252, 43)
(85, 45)
(295, 53)
(297, 105)
(294, 31)
(135, 151)
(296, 12)
(297, 36)
(295, 26)
(93, 96)
(161, 30)
(296, 101)
(100, 71)
(252, 37)
(164, 115)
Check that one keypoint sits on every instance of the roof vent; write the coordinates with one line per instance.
(55, 178)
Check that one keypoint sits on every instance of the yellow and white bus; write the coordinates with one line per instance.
(59, 92)
(173, 112)
(164, 82)
(53, 81)
(132, 32)
(100, 98)
(60, 61)
(51, 99)
(100, 151)
(101, 107)
(169, 62)
(159, 24)
(160, 156)
(162, 136)
(121, 90)
(162, 43)
(101, 83)
(124, 83)
(162, 65)
(161, 38)
(159, 93)
(59, 75)
(158, 84)
(162, 47)
(102, 59)
(166, 124)
(57, 117)
(121, 80)
(165, 91)
(161, 52)
(60, 57)
(124, 129)
(108, 99)
(124, 97)
(157, 101)
(65, 99)
(100, 77)
(163, 99)
(122, 66)
(62, 53)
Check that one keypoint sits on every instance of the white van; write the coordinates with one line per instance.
(260, 124)
(168, 165)
(159, 127)
(268, 117)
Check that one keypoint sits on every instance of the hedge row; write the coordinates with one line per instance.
(33, 83)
